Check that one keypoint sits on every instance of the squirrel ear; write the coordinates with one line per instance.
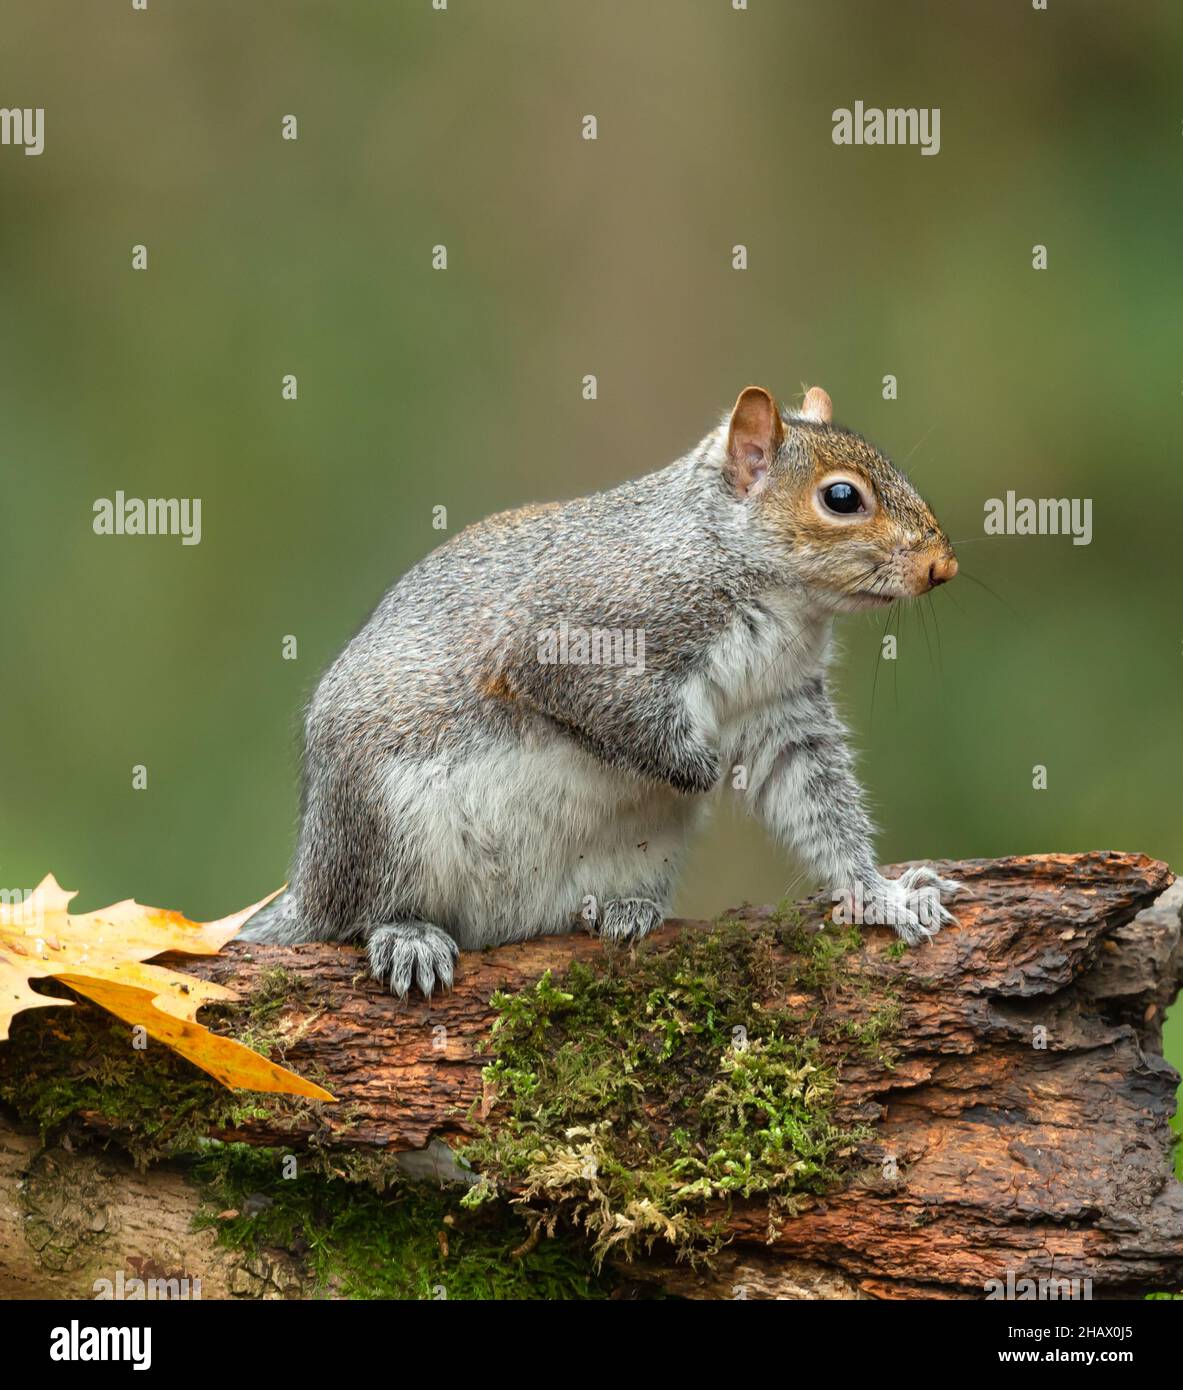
(817, 406)
(754, 436)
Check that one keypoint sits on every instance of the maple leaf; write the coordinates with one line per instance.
(102, 955)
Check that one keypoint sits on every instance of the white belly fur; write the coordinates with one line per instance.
(511, 841)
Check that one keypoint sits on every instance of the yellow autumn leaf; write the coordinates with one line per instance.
(102, 955)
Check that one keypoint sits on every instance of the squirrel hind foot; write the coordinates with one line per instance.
(412, 952)
(630, 919)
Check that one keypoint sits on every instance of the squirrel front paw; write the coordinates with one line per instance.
(629, 919)
(400, 952)
(911, 904)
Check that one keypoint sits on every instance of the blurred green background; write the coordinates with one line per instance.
(420, 388)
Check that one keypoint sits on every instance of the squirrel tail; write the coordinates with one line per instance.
(274, 923)
(281, 923)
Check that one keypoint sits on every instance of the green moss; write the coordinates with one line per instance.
(632, 1101)
(412, 1243)
(871, 1033)
(820, 953)
(255, 1021)
(81, 1062)
(634, 1096)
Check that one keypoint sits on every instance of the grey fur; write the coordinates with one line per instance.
(630, 919)
(402, 953)
(461, 792)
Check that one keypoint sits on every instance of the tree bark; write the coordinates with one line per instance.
(1022, 1129)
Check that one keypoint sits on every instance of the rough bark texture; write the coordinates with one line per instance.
(1023, 1125)
(61, 1210)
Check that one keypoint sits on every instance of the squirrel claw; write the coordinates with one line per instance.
(400, 952)
(912, 904)
(630, 919)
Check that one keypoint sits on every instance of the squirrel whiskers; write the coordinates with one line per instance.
(534, 720)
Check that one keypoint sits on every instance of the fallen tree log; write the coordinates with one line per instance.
(989, 1109)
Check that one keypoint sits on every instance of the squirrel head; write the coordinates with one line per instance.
(851, 527)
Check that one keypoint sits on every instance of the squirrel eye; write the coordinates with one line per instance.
(842, 498)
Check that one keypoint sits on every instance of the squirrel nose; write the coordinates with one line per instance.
(942, 570)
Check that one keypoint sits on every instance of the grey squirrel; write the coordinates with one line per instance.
(526, 731)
